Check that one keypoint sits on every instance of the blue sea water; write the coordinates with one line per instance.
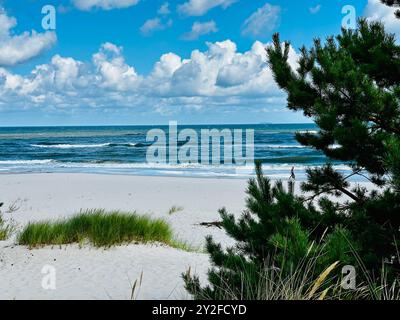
(122, 150)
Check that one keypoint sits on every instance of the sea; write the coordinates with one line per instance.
(123, 150)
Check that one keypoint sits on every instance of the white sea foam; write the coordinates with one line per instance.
(274, 171)
(162, 166)
(159, 166)
(283, 146)
(25, 162)
(71, 146)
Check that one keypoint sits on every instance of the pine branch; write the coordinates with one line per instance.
(383, 126)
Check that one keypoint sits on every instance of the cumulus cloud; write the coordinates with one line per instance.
(376, 11)
(154, 24)
(200, 29)
(316, 9)
(219, 77)
(201, 7)
(87, 5)
(15, 49)
(263, 21)
(112, 70)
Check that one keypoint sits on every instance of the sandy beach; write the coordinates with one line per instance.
(85, 272)
(90, 273)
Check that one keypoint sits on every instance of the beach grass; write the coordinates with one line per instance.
(101, 228)
(6, 227)
(174, 209)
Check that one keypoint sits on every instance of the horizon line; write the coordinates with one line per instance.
(153, 125)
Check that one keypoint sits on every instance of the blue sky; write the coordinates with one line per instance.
(152, 61)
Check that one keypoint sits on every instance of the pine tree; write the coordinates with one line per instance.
(272, 233)
(350, 86)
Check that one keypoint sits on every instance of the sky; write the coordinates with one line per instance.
(109, 62)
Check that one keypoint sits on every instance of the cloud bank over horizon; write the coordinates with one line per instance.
(218, 76)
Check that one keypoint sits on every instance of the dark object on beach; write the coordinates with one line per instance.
(1, 204)
(292, 175)
(291, 187)
(291, 181)
(217, 224)
(393, 3)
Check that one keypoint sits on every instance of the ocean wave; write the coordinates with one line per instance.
(157, 166)
(26, 162)
(281, 146)
(102, 145)
(274, 171)
(128, 145)
(82, 146)
(308, 131)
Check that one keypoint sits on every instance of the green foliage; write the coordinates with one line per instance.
(350, 86)
(393, 162)
(268, 233)
(100, 228)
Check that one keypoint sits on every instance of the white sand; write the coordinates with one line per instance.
(90, 273)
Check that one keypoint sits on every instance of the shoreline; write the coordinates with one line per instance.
(273, 171)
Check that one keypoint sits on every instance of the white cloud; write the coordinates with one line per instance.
(160, 22)
(87, 5)
(164, 9)
(112, 71)
(316, 9)
(263, 21)
(154, 24)
(219, 77)
(201, 7)
(66, 72)
(200, 29)
(15, 49)
(376, 11)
